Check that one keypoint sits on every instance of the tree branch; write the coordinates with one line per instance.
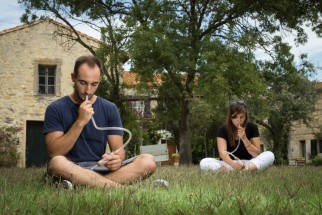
(265, 125)
(77, 38)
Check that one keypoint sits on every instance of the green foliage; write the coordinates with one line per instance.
(202, 134)
(211, 41)
(133, 124)
(297, 190)
(317, 161)
(144, 132)
(230, 74)
(151, 127)
(291, 96)
(9, 141)
(167, 112)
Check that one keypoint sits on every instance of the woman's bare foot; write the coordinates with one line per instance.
(250, 167)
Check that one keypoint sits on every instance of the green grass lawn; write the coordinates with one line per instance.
(277, 190)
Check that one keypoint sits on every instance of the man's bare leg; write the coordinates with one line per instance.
(61, 166)
(143, 166)
(140, 168)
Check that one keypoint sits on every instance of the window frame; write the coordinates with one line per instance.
(46, 77)
(319, 147)
(57, 63)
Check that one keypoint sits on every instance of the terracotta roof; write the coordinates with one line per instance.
(131, 79)
(318, 85)
(19, 27)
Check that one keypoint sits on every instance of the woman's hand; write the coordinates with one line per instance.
(241, 132)
(238, 165)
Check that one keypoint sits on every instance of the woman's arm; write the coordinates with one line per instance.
(222, 148)
(252, 145)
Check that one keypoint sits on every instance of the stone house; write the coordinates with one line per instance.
(306, 140)
(141, 103)
(35, 70)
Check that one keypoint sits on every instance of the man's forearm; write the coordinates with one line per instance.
(63, 144)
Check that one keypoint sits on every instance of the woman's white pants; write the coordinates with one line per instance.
(262, 161)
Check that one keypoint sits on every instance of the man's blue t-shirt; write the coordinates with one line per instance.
(91, 143)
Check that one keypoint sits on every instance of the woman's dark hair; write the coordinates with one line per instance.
(234, 109)
(90, 60)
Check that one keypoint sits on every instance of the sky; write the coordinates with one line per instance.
(11, 11)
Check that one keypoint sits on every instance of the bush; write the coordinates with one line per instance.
(8, 146)
(317, 161)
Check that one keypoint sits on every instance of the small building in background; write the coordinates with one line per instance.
(306, 140)
(35, 70)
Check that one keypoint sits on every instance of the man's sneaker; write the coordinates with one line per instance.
(66, 184)
(161, 183)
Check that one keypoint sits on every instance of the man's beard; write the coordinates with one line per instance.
(78, 94)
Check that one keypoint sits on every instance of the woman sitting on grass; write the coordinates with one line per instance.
(238, 144)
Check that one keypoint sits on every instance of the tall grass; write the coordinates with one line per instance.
(278, 190)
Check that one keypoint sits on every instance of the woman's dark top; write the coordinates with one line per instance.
(242, 153)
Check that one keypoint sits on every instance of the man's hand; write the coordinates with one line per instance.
(113, 161)
(85, 112)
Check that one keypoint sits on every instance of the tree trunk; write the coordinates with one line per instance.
(118, 100)
(277, 150)
(276, 140)
(280, 146)
(205, 143)
(184, 140)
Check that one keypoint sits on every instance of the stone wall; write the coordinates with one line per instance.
(21, 50)
(301, 135)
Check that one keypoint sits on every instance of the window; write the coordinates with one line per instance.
(314, 148)
(302, 148)
(147, 108)
(46, 79)
(138, 106)
(142, 107)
